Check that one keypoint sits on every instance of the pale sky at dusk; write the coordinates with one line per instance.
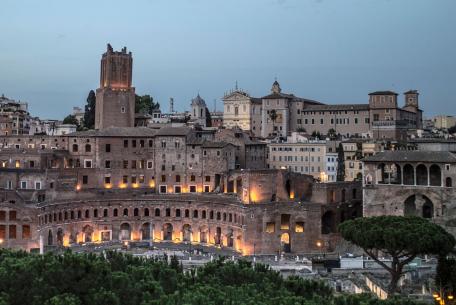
(334, 51)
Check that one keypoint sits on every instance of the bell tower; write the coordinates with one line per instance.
(115, 104)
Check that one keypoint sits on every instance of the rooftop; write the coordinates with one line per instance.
(413, 156)
(116, 132)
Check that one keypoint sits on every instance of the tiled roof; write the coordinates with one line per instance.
(116, 132)
(173, 131)
(412, 156)
(383, 93)
(210, 144)
(337, 107)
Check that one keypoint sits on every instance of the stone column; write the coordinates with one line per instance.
(428, 176)
(402, 174)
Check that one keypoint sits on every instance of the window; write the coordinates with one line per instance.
(133, 164)
(206, 188)
(125, 143)
(26, 233)
(37, 185)
(88, 148)
(12, 215)
(177, 189)
(270, 227)
(192, 188)
(85, 179)
(149, 164)
(207, 178)
(192, 178)
(87, 163)
(122, 109)
(125, 164)
(163, 178)
(124, 179)
(31, 164)
(299, 227)
(23, 184)
(107, 163)
(107, 180)
(141, 143)
(163, 189)
(178, 178)
(108, 147)
(12, 232)
(75, 147)
(133, 143)
(157, 212)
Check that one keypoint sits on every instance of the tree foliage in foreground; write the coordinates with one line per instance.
(117, 279)
(401, 238)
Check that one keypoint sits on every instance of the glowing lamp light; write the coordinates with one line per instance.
(292, 195)
(122, 185)
(1, 241)
(450, 297)
(108, 186)
(319, 244)
(135, 185)
(323, 177)
(18, 164)
(152, 183)
(78, 187)
(435, 295)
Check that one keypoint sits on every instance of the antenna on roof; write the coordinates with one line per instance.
(215, 105)
(236, 87)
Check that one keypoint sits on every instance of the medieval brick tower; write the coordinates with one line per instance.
(115, 104)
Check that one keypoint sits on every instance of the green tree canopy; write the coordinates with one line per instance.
(340, 163)
(401, 238)
(89, 111)
(71, 119)
(145, 104)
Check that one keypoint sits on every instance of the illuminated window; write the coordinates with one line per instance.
(299, 228)
(270, 227)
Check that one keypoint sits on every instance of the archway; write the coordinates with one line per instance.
(421, 175)
(409, 175)
(187, 233)
(427, 210)
(60, 237)
(285, 242)
(203, 235)
(218, 236)
(145, 231)
(328, 223)
(167, 231)
(230, 239)
(435, 175)
(50, 238)
(395, 174)
(410, 206)
(87, 233)
(125, 231)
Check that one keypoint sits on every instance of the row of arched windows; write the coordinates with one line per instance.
(157, 212)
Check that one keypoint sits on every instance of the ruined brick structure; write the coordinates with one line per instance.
(122, 183)
(411, 183)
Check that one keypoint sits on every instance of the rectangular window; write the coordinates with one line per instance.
(177, 189)
(141, 143)
(125, 164)
(133, 143)
(133, 179)
(192, 188)
(23, 184)
(163, 189)
(108, 147)
(299, 227)
(12, 232)
(125, 179)
(270, 227)
(37, 185)
(141, 179)
(107, 180)
(85, 179)
(133, 164)
(107, 163)
(149, 164)
(207, 188)
(163, 178)
(125, 143)
(87, 163)
(207, 178)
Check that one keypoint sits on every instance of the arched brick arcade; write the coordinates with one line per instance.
(213, 224)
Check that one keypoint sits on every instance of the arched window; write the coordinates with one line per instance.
(125, 212)
(88, 148)
(203, 214)
(421, 175)
(178, 213)
(448, 182)
(219, 216)
(146, 212)
(79, 214)
(195, 214)
(105, 213)
(187, 213)
(409, 176)
(435, 175)
(115, 213)
(157, 212)
(75, 147)
(136, 212)
(95, 213)
(87, 214)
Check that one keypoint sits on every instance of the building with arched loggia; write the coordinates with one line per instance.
(419, 183)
